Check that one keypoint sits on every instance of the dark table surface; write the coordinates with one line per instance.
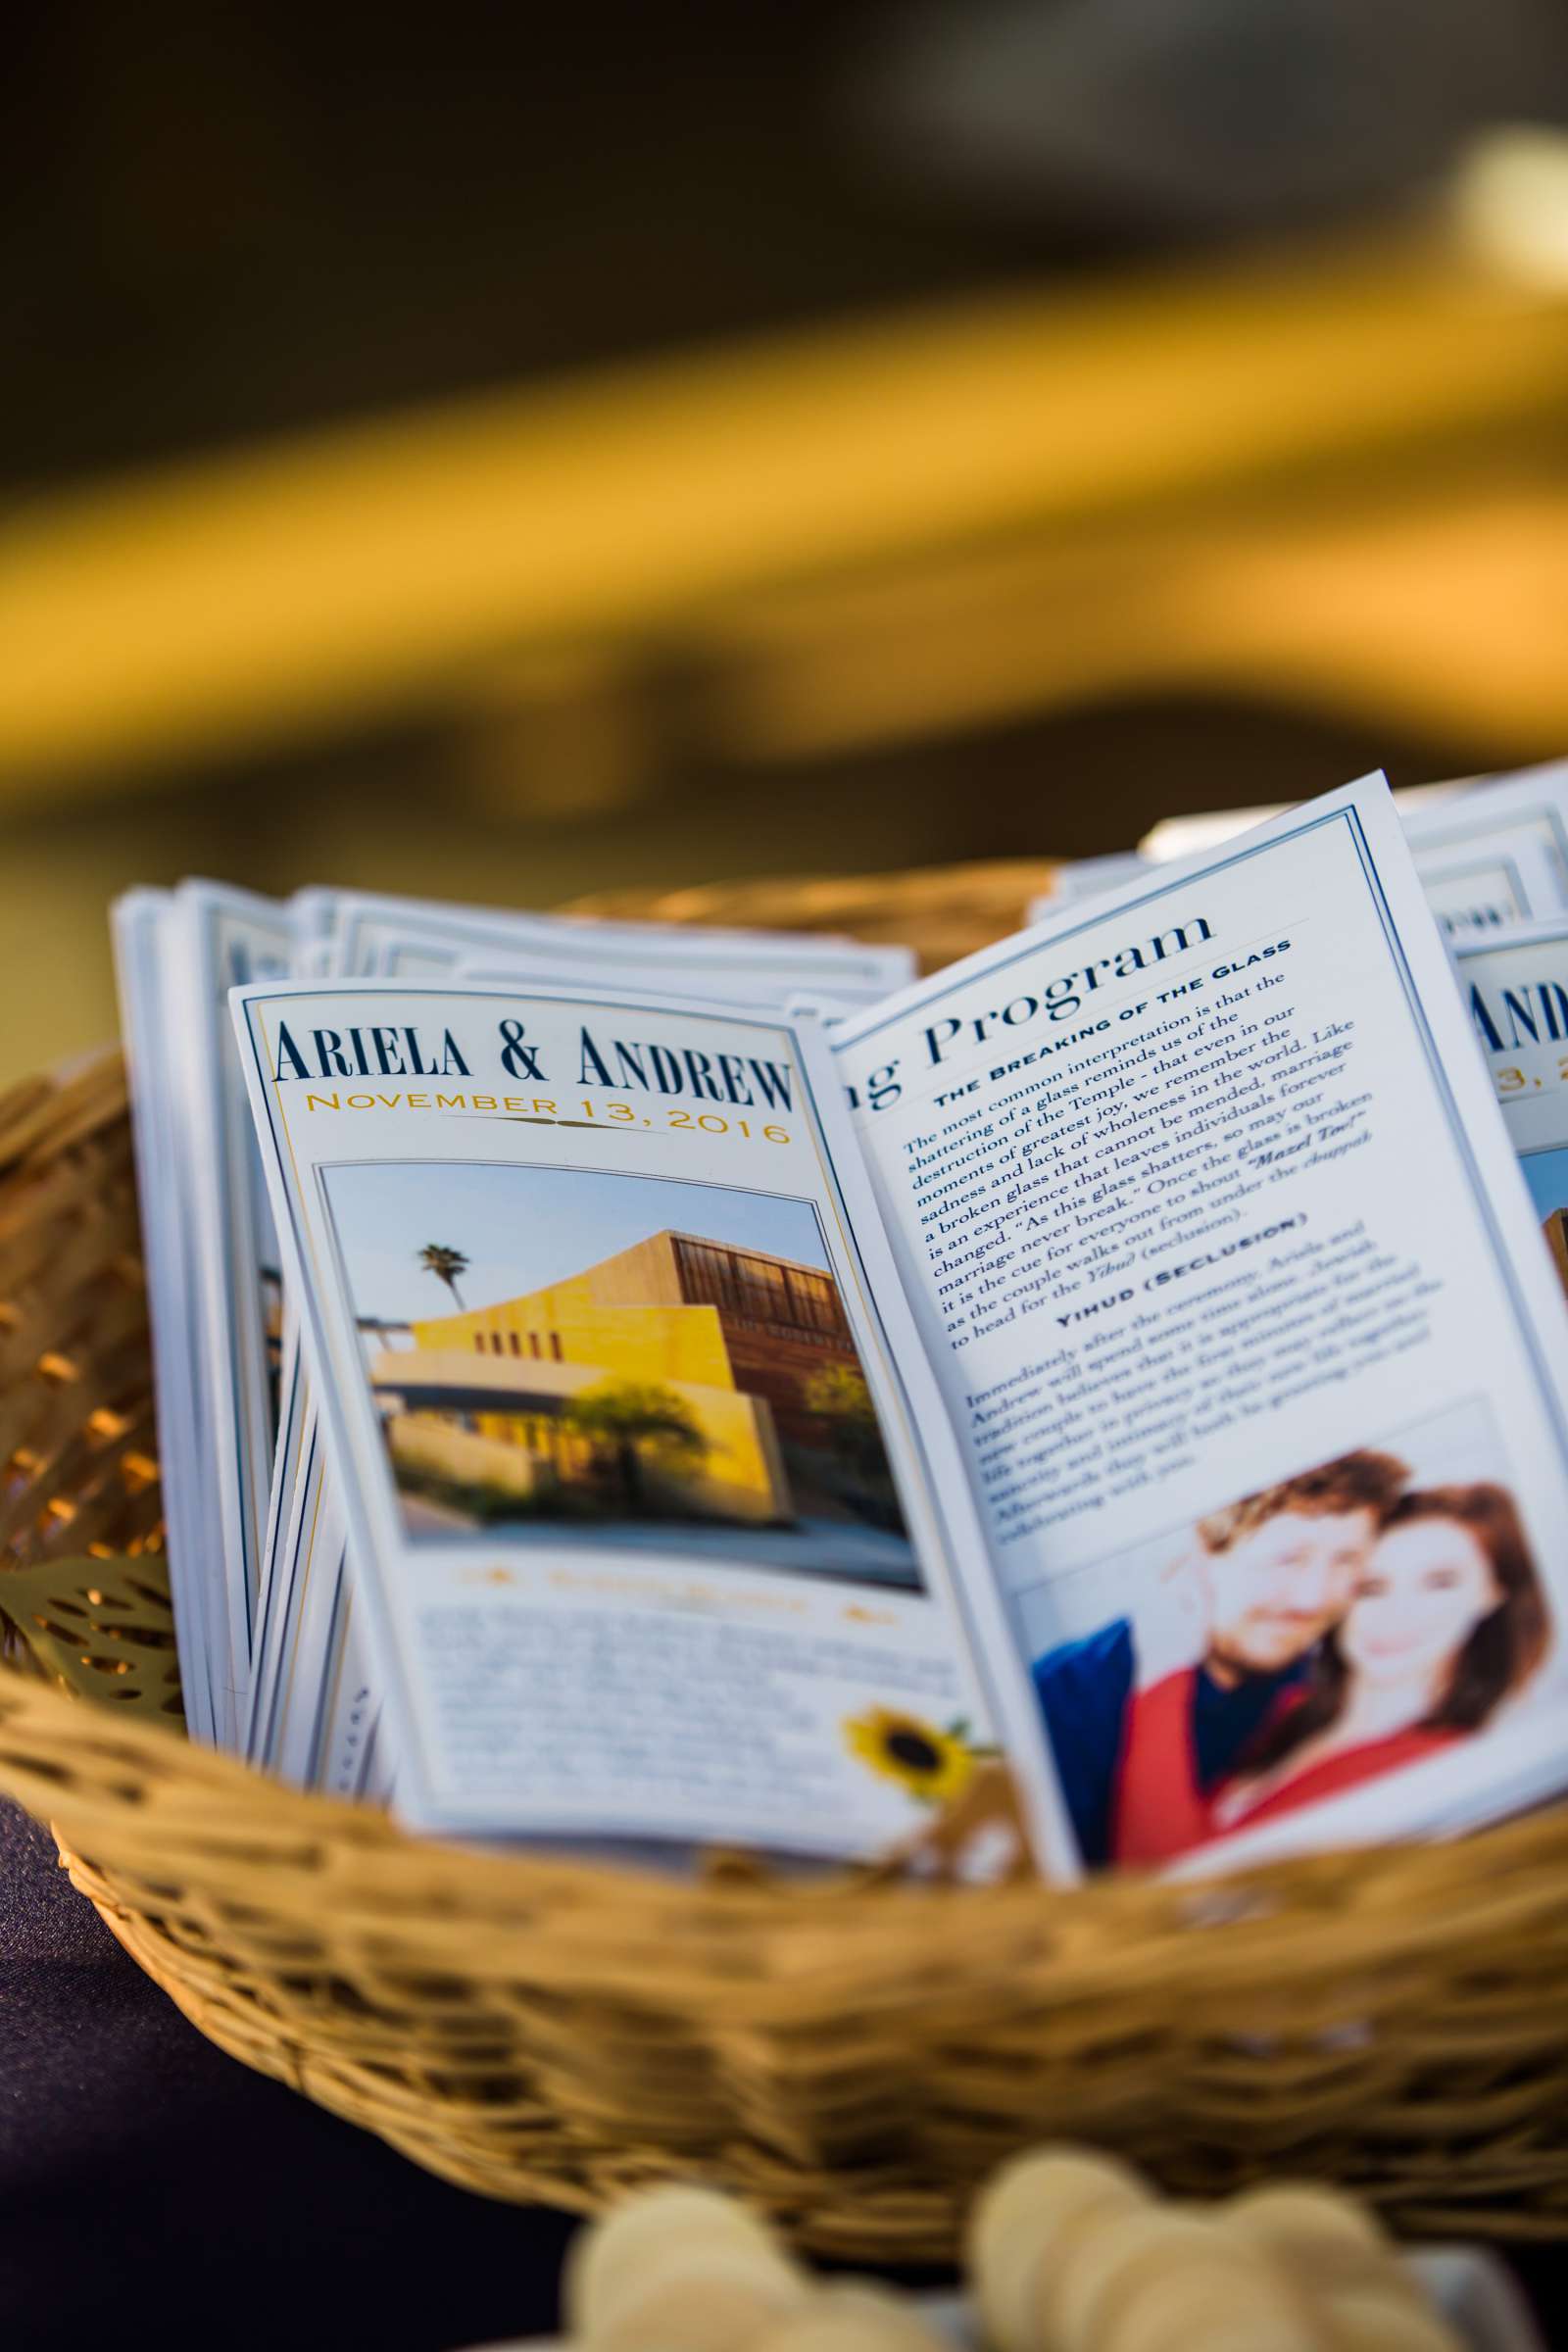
(152, 2186)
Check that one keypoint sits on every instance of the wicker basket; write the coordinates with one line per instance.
(854, 2056)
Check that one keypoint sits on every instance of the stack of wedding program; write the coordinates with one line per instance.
(618, 1381)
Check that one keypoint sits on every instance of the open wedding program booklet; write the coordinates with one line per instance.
(714, 1387)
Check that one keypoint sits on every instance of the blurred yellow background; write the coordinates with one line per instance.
(583, 458)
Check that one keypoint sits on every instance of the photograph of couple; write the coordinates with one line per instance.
(1306, 1638)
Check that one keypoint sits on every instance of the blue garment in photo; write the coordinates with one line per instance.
(1084, 1688)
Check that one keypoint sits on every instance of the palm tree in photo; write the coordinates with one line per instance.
(446, 1265)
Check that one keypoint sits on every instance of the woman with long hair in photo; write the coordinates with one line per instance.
(1447, 1622)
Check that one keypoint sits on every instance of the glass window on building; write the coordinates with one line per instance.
(762, 1289)
(816, 1301)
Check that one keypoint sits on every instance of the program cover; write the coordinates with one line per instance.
(654, 1507)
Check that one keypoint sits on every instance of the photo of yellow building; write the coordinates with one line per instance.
(1546, 1175)
(683, 1387)
(1555, 1230)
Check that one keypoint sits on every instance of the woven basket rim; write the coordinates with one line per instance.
(74, 1763)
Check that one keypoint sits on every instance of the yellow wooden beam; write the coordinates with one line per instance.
(1434, 605)
(359, 574)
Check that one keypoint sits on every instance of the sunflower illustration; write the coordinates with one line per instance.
(933, 1765)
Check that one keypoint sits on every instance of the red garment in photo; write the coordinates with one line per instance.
(1159, 1809)
(1347, 1768)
